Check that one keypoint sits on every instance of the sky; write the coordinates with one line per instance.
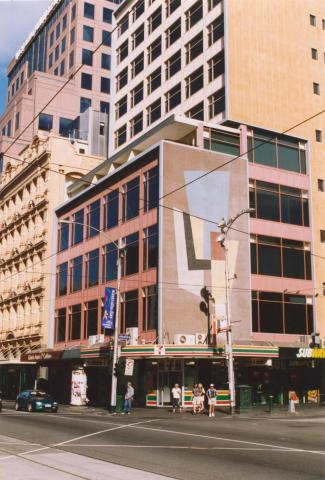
(17, 19)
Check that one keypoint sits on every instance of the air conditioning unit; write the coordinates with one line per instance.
(92, 339)
(184, 339)
(322, 342)
(200, 338)
(133, 333)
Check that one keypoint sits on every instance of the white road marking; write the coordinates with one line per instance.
(172, 447)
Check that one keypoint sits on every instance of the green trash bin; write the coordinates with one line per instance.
(243, 398)
(119, 403)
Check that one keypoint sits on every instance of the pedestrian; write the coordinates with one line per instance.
(176, 397)
(202, 398)
(196, 398)
(128, 398)
(212, 399)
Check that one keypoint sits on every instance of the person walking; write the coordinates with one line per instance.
(196, 398)
(202, 398)
(128, 398)
(212, 399)
(176, 397)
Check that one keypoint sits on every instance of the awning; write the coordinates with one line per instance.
(95, 351)
(72, 354)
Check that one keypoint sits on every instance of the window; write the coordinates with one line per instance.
(61, 319)
(137, 95)
(316, 89)
(91, 318)
(57, 52)
(212, 4)
(57, 31)
(50, 60)
(73, 12)
(215, 30)
(105, 85)
(154, 20)
(151, 189)
(196, 112)
(71, 59)
(106, 38)
(62, 67)
(173, 64)
(314, 54)
(129, 310)
(312, 20)
(137, 65)
(122, 79)
(106, 61)
(51, 38)
(322, 236)
(63, 235)
(194, 82)
(131, 195)
(320, 184)
(121, 107)
(154, 50)
(137, 10)
(17, 121)
(78, 227)
(216, 66)
(173, 97)
(9, 128)
(217, 103)
(86, 81)
(123, 51)
(318, 135)
(110, 258)
(194, 14)
(130, 263)
(62, 279)
(282, 313)
(150, 247)
(87, 57)
(104, 107)
(194, 48)
(75, 322)
(120, 136)
(64, 22)
(154, 112)
(63, 44)
(45, 122)
(88, 34)
(76, 274)
(85, 103)
(93, 219)
(92, 268)
(171, 6)
(136, 124)
(89, 10)
(173, 33)
(101, 128)
(138, 36)
(107, 15)
(56, 71)
(123, 25)
(154, 80)
(65, 126)
(72, 35)
(222, 141)
(150, 308)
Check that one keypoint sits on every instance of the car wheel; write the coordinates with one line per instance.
(30, 407)
(16, 406)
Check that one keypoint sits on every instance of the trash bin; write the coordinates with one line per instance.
(243, 397)
(119, 403)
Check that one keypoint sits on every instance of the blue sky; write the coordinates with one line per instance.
(17, 18)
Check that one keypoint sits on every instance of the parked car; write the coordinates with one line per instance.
(0, 401)
(35, 400)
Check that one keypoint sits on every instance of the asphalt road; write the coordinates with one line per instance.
(156, 445)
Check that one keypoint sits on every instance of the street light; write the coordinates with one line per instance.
(225, 226)
(117, 312)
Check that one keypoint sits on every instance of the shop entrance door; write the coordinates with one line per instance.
(168, 375)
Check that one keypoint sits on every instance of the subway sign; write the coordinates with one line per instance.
(311, 353)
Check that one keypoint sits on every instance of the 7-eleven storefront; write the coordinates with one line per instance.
(159, 367)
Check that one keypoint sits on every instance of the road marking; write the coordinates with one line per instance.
(172, 447)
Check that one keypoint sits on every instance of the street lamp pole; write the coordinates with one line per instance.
(118, 301)
(225, 226)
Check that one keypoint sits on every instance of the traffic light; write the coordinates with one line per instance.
(207, 296)
(119, 369)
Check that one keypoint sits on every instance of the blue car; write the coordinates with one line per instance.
(35, 401)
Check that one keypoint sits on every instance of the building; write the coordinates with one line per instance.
(27, 248)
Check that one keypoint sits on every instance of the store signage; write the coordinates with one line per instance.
(311, 353)
(129, 367)
(160, 350)
(40, 356)
(108, 320)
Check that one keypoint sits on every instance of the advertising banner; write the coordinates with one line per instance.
(108, 320)
(79, 387)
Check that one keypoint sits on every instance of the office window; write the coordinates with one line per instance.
(63, 236)
(194, 82)
(56, 71)
(104, 107)
(150, 308)
(217, 103)
(56, 52)
(130, 264)
(194, 48)
(45, 122)
(17, 116)
(123, 25)
(137, 10)
(123, 51)
(93, 219)
(107, 15)
(194, 14)
(76, 274)
(105, 85)
(173, 97)
(89, 10)
(51, 38)
(65, 126)
(64, 22)
(314, 54)
(154, 20)
(154, 80)
(86, 81)
(196, 112)
(173, 64)
(87, 57)
(50, 60)
(136, 124)
(318, 135)
(22, 77)
(137, 65)
(91, 318)
(322, 236)
(62, 68)
(129, 309)
(121, 107)
(63, 44)
(138, 36)
(154, 112)
(92, 268)
(120, 136)
(9, 128)
(85, 103)
(61, 319)
(57, 31)
(122, 79)
(110, 258)
(312, 20)
(72, 35)
(130, 197)
(73, 12)
(88, 34)
(221, 141)
(106, 38)
(316, 89)
(216, 66)
(154, 50)
(171, 6)
(106, 61)
(320, 184)
(150, 247)
(151, 189)
(173, 33)
(137, 95)
(17, 83)
(71, 59)
(215, 30)
(75, 322)
(212, 4)
(62, 279)
(78, 227)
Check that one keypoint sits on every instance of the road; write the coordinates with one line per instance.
(156, 445)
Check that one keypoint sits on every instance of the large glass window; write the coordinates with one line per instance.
(111, 209)
(107, 15)
(87, 57)
(78, 227)
(76, 274)
(45, 122)
(93, 219)
(110, 257)
(62, 279)
(222, 141)
(89, 10)
(106, 61)
(150, 308)
(150, 247)
(131, 254)
(129, 310)
(88, 33)
(63, 240)
(131, 192)
(75, 322)
(61, 320)
(92, 268)
(86, 81)
(85, 103)
(151, 189)
(91, 318)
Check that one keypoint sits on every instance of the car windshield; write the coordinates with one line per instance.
(38, 394)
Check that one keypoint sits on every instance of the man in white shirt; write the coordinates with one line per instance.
(128, 398)
(176, 397)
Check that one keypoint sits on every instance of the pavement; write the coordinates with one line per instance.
(154, 444)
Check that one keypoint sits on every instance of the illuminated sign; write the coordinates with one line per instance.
(311, 353)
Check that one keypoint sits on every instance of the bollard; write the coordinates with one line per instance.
(270, 403)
